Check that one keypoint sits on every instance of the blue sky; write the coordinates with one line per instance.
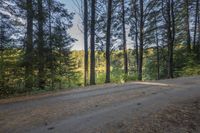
(69, 4)
(75, 30)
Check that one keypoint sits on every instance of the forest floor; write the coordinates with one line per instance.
(165, 106)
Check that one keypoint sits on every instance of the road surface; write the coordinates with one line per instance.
(92, 109)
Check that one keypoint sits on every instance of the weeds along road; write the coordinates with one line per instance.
(90, 109)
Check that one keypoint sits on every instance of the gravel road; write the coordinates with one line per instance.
(106, 109)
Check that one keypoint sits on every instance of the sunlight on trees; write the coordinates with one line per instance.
(123, 41)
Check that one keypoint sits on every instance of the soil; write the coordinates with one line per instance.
(147, 107)
(177, 118)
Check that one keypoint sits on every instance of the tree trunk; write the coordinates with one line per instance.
(195, 25)
(2, 71)
(29, 47)
(85, 42)
(187, 26)
(108, 36)
(141, 40)
(92, 43)
(60, 67)
(134, 2)
(170, 35)
(157, 49)
(173, 39)
(41, 73)
(50, 45)
(124, 41)
(198, 42)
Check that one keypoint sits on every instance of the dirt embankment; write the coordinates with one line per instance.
(176, 118)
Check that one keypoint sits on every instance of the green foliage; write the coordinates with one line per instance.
(12, 74)
(62, 68)
(191, 70)
(71, 74)
(190, 65)
(185, 64)
(150, 64)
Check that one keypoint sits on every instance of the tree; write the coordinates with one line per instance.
(198, 42)
(195, 25)
(85, 42)
(92, 43)
(3, 40)
(29, 47)
(28, 50)
(187, 25)
(141, 47)
(124, 40)
(133, 22)
(52, 68)
(35, 43)
(170, 35)
(141, 30)
(65, 72)
(108, 37)
(157, 47)
(41, 57)
(168, 14)
(7, 48)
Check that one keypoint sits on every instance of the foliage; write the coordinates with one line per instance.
(164, 36)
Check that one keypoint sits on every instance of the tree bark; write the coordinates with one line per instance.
(170, 35)
(92, 43)
(85, 42)
(134, 2)
(41, 73)
(195, 25)
(124, 41)
(141, 40)
(108, 36)
(29, 47)
(157, 49)
(2, 72)
(198, 42)
(187, 26)
(50, 45)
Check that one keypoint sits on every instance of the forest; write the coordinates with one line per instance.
(124, 40)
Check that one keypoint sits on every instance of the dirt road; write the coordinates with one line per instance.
(103, 109)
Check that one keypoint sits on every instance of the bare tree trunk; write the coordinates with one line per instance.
(29, 47)
(157, 49)
(173, 39)
(187, 25)
(170, 35)
(92, 43)
(124, 41)
(108, 37)
(41, 73)
(141, 40)
(136, 41)
(60, 68)
(50, 45)
(2, 72)
(195, 25)
(198, 42)
(136, 34)
(85, 42)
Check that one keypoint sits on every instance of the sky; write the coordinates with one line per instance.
(75, 30)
